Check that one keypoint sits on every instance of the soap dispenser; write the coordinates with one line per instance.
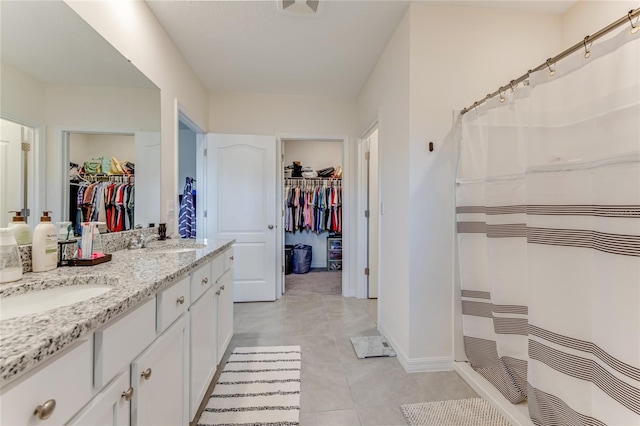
(10, 264)
(45, 245)
(21, 231)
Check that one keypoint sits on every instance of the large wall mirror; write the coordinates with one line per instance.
(76, 100)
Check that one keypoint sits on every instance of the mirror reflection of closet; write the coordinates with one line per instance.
(114, 181)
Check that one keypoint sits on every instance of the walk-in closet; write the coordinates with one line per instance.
(312, 216)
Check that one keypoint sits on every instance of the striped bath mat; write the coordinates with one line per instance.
(259, 385)
(454, 412)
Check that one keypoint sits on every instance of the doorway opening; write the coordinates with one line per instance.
(18, 181)
(190, 204)
(313, 228)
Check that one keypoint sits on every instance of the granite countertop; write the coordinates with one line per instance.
(135, 276)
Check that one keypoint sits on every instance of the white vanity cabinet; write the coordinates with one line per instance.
(151, 366)
(160, 379)
(110, 407)
(224, 302)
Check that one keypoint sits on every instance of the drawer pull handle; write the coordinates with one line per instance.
(205, 280)
(44, 411)
(221, 287)
(146, 374)
(180, 300)
(231, 258)
(128, 394)
(218, 292)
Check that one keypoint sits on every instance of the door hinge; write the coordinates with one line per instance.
(367, 155)
(26, 146)
(366, 213)
(282, 157)
(205, 152)
(282, 213)
(282, 268)
(205, 213)
(366, 271)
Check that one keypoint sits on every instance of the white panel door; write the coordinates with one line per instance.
(147, 194)
(10, 170)
(242, 206)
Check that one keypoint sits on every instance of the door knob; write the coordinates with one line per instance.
(128, 394)
(146, 374)
(270, 226)
(44, 411)
(180, 300)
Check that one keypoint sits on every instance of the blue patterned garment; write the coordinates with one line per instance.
(187, 218)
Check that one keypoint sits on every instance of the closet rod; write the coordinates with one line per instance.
(627, 19)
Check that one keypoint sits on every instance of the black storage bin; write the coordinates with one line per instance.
(301, 259)
(288, 259)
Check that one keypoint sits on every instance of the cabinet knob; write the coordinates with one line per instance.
(270, 226)
(231, 258)
(180, 300)
(128, 394)
(205, 280)
(146, 374)
(218, 292)
(44, 411)
(221, 287)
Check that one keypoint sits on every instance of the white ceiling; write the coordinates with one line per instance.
(249, 47)
(49, 41)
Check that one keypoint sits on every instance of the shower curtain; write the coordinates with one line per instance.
(548, 222)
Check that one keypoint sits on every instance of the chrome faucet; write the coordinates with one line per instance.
(145, 240)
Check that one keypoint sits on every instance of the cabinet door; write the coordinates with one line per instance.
(225, 312)
(203, 348)
(110, 407)
(160, 379)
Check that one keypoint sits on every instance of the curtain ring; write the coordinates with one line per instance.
(475, 107)
(634, 29)
(552, 72)
(501, 97)
(511, 85)
(587, 52)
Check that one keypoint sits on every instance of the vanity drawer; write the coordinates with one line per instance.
(66, 380)
(217, 267)
(118, 343)
(172, 302)
(228, 259)
(201, 281)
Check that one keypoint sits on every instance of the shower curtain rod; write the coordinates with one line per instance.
(628, 18)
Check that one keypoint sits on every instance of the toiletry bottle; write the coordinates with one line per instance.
(10, 263)
(45, 245)
(20, 229)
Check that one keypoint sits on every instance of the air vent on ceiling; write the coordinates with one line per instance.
(299, 7)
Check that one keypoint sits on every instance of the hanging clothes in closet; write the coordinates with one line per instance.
(313, 205)
(108, 202)
(187, 218)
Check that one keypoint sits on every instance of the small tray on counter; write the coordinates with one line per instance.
(90, 262)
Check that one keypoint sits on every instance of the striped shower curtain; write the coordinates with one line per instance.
(548, 221)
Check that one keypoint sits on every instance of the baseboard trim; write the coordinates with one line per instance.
(417, 365)
(516, 414)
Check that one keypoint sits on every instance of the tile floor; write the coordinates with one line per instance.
(337, 388)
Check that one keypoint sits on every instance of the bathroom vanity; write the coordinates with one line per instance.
(133, 341)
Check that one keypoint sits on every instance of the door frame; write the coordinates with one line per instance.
(348, 228)
(361, 220)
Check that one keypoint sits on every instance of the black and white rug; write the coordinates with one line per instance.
(259, 385)
(456, 412)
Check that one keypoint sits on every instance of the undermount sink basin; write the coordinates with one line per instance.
(35, 302)
(173, 250)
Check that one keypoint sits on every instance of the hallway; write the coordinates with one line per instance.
(337, 388)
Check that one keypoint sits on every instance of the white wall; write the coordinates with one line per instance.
(134, 31)
(458, 55)
(587, 17)
(385, 97)
(83, 147)
(186, 159)
(317, 155)
(23, 97)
